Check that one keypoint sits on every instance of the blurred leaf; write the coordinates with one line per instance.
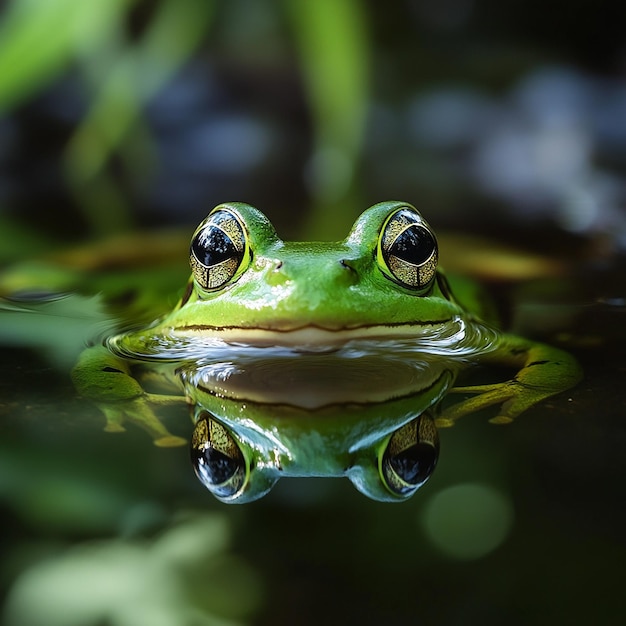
(334, 49)
(39, 39)
(491, 260)
(18, 241)
(134, 73)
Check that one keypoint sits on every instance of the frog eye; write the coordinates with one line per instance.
(410, 456)
(407, 250)
(217, 459)
(219, 250)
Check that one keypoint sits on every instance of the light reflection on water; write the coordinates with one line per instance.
(60, 325)
(455, 338)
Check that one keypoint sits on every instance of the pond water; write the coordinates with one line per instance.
(518, 524)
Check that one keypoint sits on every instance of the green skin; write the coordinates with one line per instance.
(312, 297)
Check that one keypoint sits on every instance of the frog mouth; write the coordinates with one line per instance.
(454, 338)
(316, 334)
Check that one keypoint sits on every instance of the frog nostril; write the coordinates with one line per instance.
(351, 276)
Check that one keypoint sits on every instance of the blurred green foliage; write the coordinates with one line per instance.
(121, 67)
(334, 51)
(39, 39)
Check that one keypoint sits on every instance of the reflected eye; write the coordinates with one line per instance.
(407, 250)
(411, 456)
(219, 250)
(217, 459)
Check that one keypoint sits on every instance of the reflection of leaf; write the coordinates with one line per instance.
(38, 39)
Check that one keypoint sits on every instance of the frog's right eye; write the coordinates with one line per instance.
(219, 250)
(407, 250)
(217, 459)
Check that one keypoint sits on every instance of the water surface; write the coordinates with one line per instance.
(515, 523)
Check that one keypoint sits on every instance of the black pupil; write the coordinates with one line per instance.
(214, 466)
(414, 245)
(212, 246)
(415, 464)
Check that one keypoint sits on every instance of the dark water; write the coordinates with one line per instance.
(519, 524)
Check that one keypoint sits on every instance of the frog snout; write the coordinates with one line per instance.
(338, 272)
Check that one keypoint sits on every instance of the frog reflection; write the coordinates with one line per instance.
(252, 429)
(393, 469)
(250, 291)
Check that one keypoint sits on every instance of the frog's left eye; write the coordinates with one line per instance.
(217, 459)
(410, 456)
(219, 250)
(407, 250)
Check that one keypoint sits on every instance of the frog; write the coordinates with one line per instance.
(249, 292)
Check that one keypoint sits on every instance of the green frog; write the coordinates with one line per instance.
(251, 292)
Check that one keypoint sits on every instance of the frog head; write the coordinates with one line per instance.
(249, 286)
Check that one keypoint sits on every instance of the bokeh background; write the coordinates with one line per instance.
(130, 113)
(498, 120)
